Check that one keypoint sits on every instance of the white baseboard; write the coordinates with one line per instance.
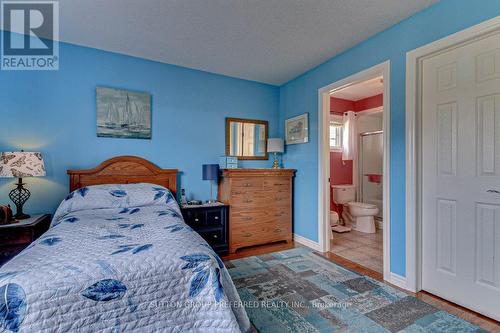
(307, 242)
(398, 281)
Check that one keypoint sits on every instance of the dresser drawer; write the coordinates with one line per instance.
(281, 199)
(244, 217)
(247, 183)
(262, 201)
(277, 184)
(280, 212)
(250, 199)
(264, 218)
(258, 234)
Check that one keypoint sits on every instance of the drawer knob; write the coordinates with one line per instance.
(247, 234)
(196, 220)
(216, 217)
(247, 218)
(248, 201)
(215, 236)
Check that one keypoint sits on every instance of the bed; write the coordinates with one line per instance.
(119, 258)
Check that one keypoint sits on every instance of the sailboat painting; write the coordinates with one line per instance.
(123, 113)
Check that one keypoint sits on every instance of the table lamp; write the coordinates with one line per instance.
(211, 173)
(275, 146)
(19, 165)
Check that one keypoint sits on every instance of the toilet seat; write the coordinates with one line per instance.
(361, 205)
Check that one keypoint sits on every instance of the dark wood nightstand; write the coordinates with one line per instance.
(211, 222)
(16, 236)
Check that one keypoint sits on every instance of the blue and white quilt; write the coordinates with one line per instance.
(119, 258)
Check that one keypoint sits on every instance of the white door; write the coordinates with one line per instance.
(461, 175)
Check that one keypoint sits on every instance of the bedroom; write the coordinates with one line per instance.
(162, 83)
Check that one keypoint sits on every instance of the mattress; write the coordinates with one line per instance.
(119, 258)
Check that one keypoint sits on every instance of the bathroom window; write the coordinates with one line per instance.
(336, 133)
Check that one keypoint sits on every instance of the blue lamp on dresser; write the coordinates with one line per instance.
(211, 173)
(20, 165)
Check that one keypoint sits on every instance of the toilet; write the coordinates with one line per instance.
(360, 216)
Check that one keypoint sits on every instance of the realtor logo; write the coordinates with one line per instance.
(30, 31)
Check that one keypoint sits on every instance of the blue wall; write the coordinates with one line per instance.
(301, 95)
(54, 112)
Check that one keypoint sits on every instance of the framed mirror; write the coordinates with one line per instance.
(246, 138)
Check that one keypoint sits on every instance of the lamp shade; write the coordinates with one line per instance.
(210, 171)
(21, 164)
(275, 145)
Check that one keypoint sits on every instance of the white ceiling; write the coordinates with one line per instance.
(269, 41)
(361, 90)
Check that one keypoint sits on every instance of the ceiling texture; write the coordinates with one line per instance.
(270, 41)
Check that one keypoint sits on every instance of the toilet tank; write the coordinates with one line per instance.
(343, 194)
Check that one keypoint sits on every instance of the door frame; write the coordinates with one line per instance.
(324, 157)
(414, 60)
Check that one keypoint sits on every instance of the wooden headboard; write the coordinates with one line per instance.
(124, 170)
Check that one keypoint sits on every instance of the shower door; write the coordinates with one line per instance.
(371, 166)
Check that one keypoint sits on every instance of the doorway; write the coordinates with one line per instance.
(356, 165)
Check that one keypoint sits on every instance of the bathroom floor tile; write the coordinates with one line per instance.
(361, 248)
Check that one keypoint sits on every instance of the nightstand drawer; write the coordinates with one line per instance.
(211, 223)
(195, 218)
(213, 237)
(17, 237)
(215, 217)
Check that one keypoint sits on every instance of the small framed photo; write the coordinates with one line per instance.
(297, 129)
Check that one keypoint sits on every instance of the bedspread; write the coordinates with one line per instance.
(119, 258)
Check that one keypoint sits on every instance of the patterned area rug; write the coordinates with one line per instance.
(299, 291)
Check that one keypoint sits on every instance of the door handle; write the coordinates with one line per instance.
(493, 191)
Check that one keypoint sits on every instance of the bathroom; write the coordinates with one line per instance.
(356, 173)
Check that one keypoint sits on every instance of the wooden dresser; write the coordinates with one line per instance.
(260, 203)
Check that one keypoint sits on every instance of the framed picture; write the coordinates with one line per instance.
(123, 113)
(297, 129)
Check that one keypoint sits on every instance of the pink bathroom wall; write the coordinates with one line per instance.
(340, 105)
(369, 103)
